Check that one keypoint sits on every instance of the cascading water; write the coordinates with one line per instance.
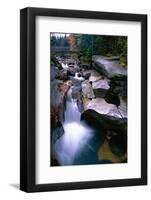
(78, 78)
(64, 65)
(76, 134)
(72, 113)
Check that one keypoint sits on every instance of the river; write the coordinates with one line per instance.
(79, 144)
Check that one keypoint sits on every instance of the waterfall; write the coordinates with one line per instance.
(72, 113)
(76, 134)
(78, 78)
(64, 65)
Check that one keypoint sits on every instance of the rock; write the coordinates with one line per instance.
(98, 81)
(105, 153)
(100, 68)
(118, 143)
(108, 67)
(54, 72)
(104, 122)
(62, 75)
(102, 107)
(101, 83)
(85, 66)
(71, 63)
(70, 73)
(58, 99)
(112, 98)
(87, 90)
(80, 105)
(59, 90)
(87, 76)
(56, 131)
(55, 62)
(118, 85)
(114, 132)
(99, 92)
(56, 96)
(72, 70)
(94, 74)
(54, 160)
(71, 66)
(113, 58)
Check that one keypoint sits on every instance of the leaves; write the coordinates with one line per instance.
(71, 41)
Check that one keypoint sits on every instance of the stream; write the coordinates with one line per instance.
(79, 144)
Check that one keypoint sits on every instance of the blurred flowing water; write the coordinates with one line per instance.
(76, 135)
(64, 65)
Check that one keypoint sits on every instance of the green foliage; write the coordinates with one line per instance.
(122, 44)
(59, 41)
(102, 45)
(90, 45)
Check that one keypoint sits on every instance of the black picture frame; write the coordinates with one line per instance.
(28, 98)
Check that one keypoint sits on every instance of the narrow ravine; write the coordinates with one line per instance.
(89, 122)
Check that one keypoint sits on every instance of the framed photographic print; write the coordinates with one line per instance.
(83, 99)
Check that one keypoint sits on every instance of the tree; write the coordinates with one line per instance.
(71, 41)
(59, 40)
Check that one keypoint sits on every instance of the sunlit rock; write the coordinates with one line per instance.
(87, 89)
(102, 107)
(103, 121)
(108, 67)
(105, 153)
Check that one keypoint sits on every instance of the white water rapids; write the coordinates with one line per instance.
(76, 134)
